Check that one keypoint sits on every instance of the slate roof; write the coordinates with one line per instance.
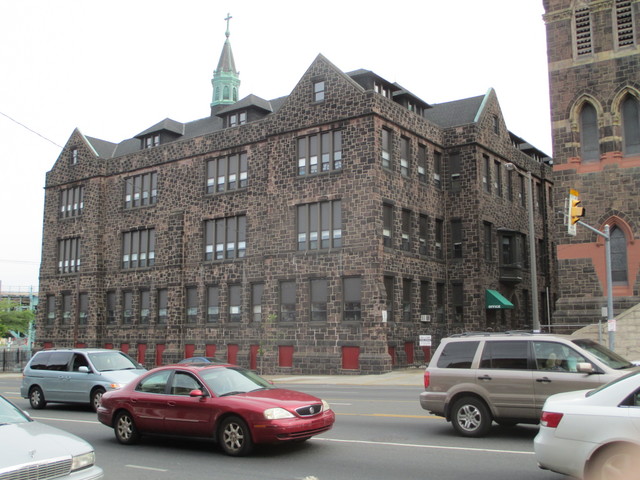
(457, 112)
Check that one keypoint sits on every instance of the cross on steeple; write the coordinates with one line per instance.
(229, 17)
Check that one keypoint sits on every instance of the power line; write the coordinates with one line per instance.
(30, 129)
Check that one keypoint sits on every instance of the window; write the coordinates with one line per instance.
(521, 194)
(83, 308)
(145, 306)
(320, 153)
(619, 273)
(406, 230)
(386, 148)
(439, 237)
(456, 238)
(437, 168)
(510, 185)
(66, 308)
(213, 304)
(631, 125)
(288, 301)
(74, 156)
(141, 190)
(227, 173)
(191, 295)
(235, 303)
(423, 231)
(406, 300)
(424, 298)
(150, 141)
(319, 225)
(511, 355)
(440, 302)
(318, 91)
(488, 241)
(590, 148)
(511, 249)
(496, 125)
(486, 174)
(455, 168)
(111, 308)
(582, 20)
(387, 225)
(319, 296)
(225, 238)
(127, 307)
(497, 177)
(624, 23)
(422, 164)
(138, 248)
(458, 355)
(239, 118)
(388, 289)
(457, 302)
(69, 255)
(51, 309)
(71, 201)
(352, 294)
(404, 156)
(163, 305)
(257, 290)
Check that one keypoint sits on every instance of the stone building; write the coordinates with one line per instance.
(327, 231)
(593, 53)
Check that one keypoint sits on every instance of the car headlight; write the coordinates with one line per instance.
(325, 406)
(276, 413)
(116, 386)
(83, 461)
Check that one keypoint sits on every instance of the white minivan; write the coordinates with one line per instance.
(76, 375)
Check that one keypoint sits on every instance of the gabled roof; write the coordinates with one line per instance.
(458, 112)
(248, 102)
(166, 125)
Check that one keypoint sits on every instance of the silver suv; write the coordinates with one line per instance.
(474, 379)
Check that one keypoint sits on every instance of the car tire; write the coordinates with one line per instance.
(234, 437)
(96, 396)
(617, 462)
(36, 398)
(125, 429)
(470, 417)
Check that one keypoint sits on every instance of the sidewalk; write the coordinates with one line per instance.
(410, 377)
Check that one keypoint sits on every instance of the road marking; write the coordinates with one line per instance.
(66, 420)
(140, 467)
(394, 415)
(430, 447)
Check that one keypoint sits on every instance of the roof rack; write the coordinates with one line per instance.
(490, 334)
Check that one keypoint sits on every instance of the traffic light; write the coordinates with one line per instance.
(576, 210)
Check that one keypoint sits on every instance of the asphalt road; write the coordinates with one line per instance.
(380, 433)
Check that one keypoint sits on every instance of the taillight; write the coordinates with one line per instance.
(550, 419)
(426, 379)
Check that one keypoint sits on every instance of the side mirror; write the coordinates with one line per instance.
(83, 369)
(197, 393)
(585, 367)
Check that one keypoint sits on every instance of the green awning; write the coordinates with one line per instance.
(494, 299)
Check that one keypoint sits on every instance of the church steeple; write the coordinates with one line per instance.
(226, 79)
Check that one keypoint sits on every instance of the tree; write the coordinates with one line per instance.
(13, 318)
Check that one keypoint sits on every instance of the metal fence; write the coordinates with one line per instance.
(13, 360)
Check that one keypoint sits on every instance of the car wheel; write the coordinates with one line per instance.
(96, 397)
(470, 417)
(125, 429)
(36, 398)
(234, 437)
(618, 462)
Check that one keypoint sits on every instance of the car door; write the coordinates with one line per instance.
(80, 382)
(188, 415)
(505, 375)
(55, 379)
(556, 371)
(149, 402)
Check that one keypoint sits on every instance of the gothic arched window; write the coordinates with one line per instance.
(225, 93)
(618, 256)
(631, 125)
(589, 144)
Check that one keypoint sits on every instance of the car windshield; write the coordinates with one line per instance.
(10, 414)
(109, 361)
(233, 380)
(611, 383)
(612, 359)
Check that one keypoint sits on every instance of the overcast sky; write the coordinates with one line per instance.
(114, 68)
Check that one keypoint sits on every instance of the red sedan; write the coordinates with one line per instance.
(228, 403)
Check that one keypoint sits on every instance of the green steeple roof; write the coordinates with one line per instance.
(226, 80)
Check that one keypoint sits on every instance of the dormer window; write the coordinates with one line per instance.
(318, 91)
(382, 89)
(74, 156)
(239, 118)
(151, 141)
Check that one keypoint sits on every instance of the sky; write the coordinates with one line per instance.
(114, 68)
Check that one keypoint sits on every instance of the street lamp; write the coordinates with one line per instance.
(532, 250)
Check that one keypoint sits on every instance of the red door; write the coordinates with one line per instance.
(285, 356)
(351, 358)
(232, 353)
(189, 349)
(253, 356)
(409, 351)
(210, 350)
(142, 352)
(159, 351)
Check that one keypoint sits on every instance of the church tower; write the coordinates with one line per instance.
(594, 79)
(226, 80)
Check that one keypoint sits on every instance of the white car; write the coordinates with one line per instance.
(592, 434)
